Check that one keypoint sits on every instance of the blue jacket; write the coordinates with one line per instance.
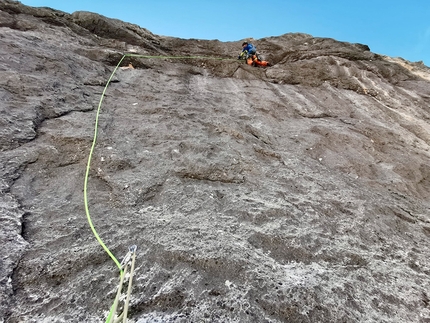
(250, 48)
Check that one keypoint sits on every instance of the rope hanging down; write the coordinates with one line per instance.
(129, 259)
(125, 280)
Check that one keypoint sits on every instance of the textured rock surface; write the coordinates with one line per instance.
(297, 193)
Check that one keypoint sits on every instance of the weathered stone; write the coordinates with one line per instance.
(296, 193)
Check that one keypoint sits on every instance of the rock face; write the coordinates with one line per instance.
(296, 193)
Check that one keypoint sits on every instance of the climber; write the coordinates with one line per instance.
(248, 49)
(249, 53)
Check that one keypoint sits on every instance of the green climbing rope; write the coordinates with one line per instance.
(118, 264)
(88, 171)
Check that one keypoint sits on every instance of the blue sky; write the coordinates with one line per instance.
(397, 28)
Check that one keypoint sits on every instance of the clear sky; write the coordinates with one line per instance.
(396, 28)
